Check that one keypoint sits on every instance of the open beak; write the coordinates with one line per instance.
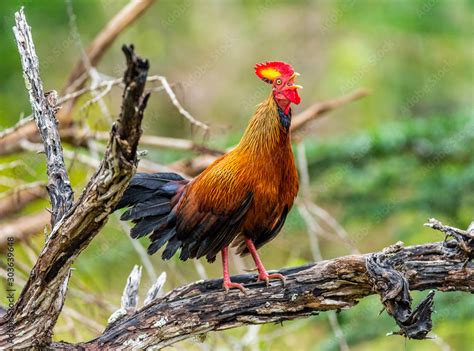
(291, 91)
(296, 74)
(295, 86)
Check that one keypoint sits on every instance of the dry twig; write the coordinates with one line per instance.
(180, 108)
(9, 141)
(313, 227)
(16, 199)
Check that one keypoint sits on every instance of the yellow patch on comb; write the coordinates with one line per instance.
(269, 71)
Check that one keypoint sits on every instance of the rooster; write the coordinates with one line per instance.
(242, 198)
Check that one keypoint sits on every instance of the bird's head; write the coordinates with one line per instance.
(282, 78)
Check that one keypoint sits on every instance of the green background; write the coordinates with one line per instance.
(381, 166)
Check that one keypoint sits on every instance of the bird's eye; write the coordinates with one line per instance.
(278, 81)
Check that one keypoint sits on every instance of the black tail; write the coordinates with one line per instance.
(151, 198)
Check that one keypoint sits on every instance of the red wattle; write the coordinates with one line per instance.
(292, 95)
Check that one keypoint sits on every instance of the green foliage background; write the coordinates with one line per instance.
(380, 166)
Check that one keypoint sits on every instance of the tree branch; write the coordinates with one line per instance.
(29, 324)
(16, 199)
(10, 141)
(301, 120)
(97, 48)
(335, 284)
(59, 186)
(24, 227)
(319, 109)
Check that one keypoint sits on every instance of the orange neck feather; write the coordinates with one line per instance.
(265, 131)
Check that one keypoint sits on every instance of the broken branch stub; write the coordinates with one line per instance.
(393, 288)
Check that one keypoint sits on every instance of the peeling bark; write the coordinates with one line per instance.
(44, 112)
(335, 284)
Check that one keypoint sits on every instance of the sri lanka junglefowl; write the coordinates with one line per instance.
(242, 198)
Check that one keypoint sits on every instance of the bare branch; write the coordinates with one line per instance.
(133, 10)
(78, 137)
(139, 249)
(89, 161)
(180, 108)
(24, 227)
(59, 186)
(102, 85)
(155, 290)
(335, 284)
(9, 141)
(130, 292)
(321, 108)
(326, 217)
(16, 199)
(312, 228)
(22, 122)
(36, 311)
(451, 231)
(198, 164)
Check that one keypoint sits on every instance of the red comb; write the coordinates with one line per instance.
(269, 71)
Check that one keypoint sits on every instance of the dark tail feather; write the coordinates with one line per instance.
(153, 180)
(154, 207)
(171, 248)
(150, 198)
(147, 226)
(144, 186)
(160, 239)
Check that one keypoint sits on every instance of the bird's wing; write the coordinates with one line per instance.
(262, 235)
(270, 233)
(211, 211)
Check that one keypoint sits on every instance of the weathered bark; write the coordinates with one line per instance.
(43, 107)
(335, 284)
(30, 322)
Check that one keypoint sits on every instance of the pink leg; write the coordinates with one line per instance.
(262, 272)
(225, 267)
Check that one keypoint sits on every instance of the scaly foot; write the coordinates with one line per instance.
(262, 272)
(264, 276)
(227, 285)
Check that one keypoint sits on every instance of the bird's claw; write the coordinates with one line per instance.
(229, 285)
(267, 277)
